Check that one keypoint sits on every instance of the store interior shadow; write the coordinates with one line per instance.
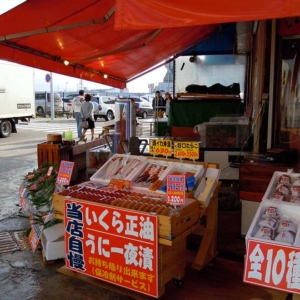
(230, 243)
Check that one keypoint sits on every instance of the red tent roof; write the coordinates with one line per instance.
(149, 14)
(42, 34)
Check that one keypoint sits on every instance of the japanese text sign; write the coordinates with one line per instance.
(186, 150)
(65, 172)
(112, 244)
(34, 236)
(161, 147)
(272, 265)
(176, 189)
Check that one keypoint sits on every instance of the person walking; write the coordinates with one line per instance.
(87, 113)
(168, 99)
(75, 110)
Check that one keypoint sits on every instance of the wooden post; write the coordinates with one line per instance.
(208, 247)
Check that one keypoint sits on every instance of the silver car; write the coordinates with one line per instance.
(43, 102)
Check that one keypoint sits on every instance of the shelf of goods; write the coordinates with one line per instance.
(276, 233)
(174, 222)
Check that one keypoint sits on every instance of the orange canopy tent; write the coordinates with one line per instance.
(149, 14)
(43, 34)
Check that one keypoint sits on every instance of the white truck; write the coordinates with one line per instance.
(17, 100)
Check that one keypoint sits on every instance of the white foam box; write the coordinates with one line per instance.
(145, 186)
(207, 186)
(183, 168)
(100, 177)
(273, 183)
(53, 242)
(287, 211)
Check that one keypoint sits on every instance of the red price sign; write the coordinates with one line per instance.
(65, 172)
(34, 236)
(112, 244)
(176, 189)
(161, 147)
(272, 265)
(188, 150)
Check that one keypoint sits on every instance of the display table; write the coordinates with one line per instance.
(172, 231)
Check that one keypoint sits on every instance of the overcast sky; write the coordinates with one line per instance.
(65, 83)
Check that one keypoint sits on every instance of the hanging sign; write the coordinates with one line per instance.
(161, 147)
(274, 266)
(65, 172)
(112, 244)
(176, 189)
(188, 150)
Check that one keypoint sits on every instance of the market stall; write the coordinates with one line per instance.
(133, 188)
(273, 237)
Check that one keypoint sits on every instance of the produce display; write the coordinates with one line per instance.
(155, 204)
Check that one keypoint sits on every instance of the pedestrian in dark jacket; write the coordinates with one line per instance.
(158, 104)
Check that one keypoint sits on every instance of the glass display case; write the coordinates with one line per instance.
(96, 157)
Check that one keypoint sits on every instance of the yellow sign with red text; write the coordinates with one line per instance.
(161, 147)
(188, 150)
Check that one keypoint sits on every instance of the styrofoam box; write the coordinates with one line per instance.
(207, 186)
(53, 242)
(100, 176)
(53, 250)
(287, 211)
(274, 180)
(145, 186)
(183, 169)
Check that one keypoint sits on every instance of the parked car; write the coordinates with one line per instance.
(147, 98)
(43, 102)
(143, 108)
(105, 109)
(68, 101)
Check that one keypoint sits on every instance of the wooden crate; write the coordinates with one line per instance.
(53, 153)
(169, 227)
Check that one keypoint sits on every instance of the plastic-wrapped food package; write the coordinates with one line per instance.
(287, 225)
(285, 237)
(271, 211)
(265, 233)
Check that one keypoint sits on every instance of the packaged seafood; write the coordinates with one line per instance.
(120, 166)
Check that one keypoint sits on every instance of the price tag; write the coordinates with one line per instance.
(176, 189)
(23, 203)
(65, 172)
(161, 147)
(188, 150)
(49, 171)
(119, 183)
